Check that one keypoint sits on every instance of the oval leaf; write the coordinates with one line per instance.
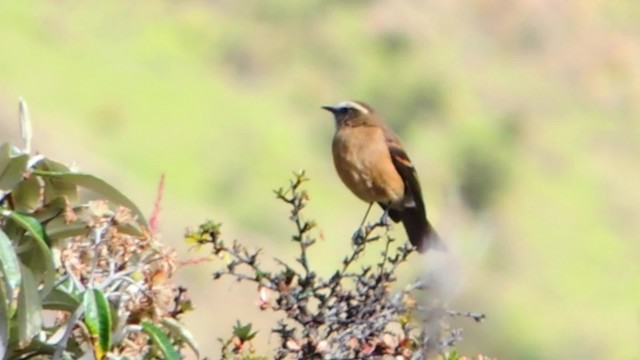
(13, 165)
(38, 259)
(181, 332)
(10, 265)
(97, 185)
(130, 228)
(58, 229)
(159, 338)
(26, 196)
(29, 312)
(32, 351)
(4, 322)
(28, 223)
(54, 187)
(97, 317)
(60, 300)
(50, 210)
(6, 152)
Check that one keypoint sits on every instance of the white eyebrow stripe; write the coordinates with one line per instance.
(353, 105)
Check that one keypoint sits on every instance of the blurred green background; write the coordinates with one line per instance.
(521, 117)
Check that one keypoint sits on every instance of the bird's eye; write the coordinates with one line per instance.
(343, 110)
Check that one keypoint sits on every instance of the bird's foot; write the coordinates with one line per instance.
(358, 237)
(384, 219)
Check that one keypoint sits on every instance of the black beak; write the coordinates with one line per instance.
(330, 109)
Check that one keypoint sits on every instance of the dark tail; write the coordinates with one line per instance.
(420, 232)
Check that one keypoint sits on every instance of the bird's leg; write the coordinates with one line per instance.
(359, 235)
(384, 219)
(364, 219)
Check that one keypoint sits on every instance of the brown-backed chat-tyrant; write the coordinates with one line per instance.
(372, 163)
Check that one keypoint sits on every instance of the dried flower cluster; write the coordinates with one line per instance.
(81, 279)
(133, 271)
(352, 314)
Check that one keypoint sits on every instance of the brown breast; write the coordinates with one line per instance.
(363, 162)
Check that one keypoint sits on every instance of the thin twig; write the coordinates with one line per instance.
(71, 323)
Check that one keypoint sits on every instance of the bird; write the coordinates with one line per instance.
(371, 161)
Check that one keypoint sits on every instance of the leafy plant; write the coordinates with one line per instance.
(94, 267)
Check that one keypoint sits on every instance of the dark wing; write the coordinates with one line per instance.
(402, 163)
(414, 217)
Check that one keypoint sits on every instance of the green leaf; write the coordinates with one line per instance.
(26, 196)
(58, 228)
(243, 332)
(97, 185)
(97, 317)
(39, 258)
(32, 351)
(130, 228)
(28, 223)
(29, 313)
(4, 322)
(182, 333)
(10, 267)
(50, 210)
(9, 263)
(452, 356)
(6, 152)
(61, 300)
(159, 338)
(13, 164)
(54, 187)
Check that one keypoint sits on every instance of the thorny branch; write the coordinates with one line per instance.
(353, 314)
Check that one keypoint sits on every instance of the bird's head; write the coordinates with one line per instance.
(351, 113)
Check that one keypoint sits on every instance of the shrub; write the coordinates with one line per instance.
(352, 314)
(80, 277)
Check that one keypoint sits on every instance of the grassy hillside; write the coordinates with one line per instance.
(522, 119)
